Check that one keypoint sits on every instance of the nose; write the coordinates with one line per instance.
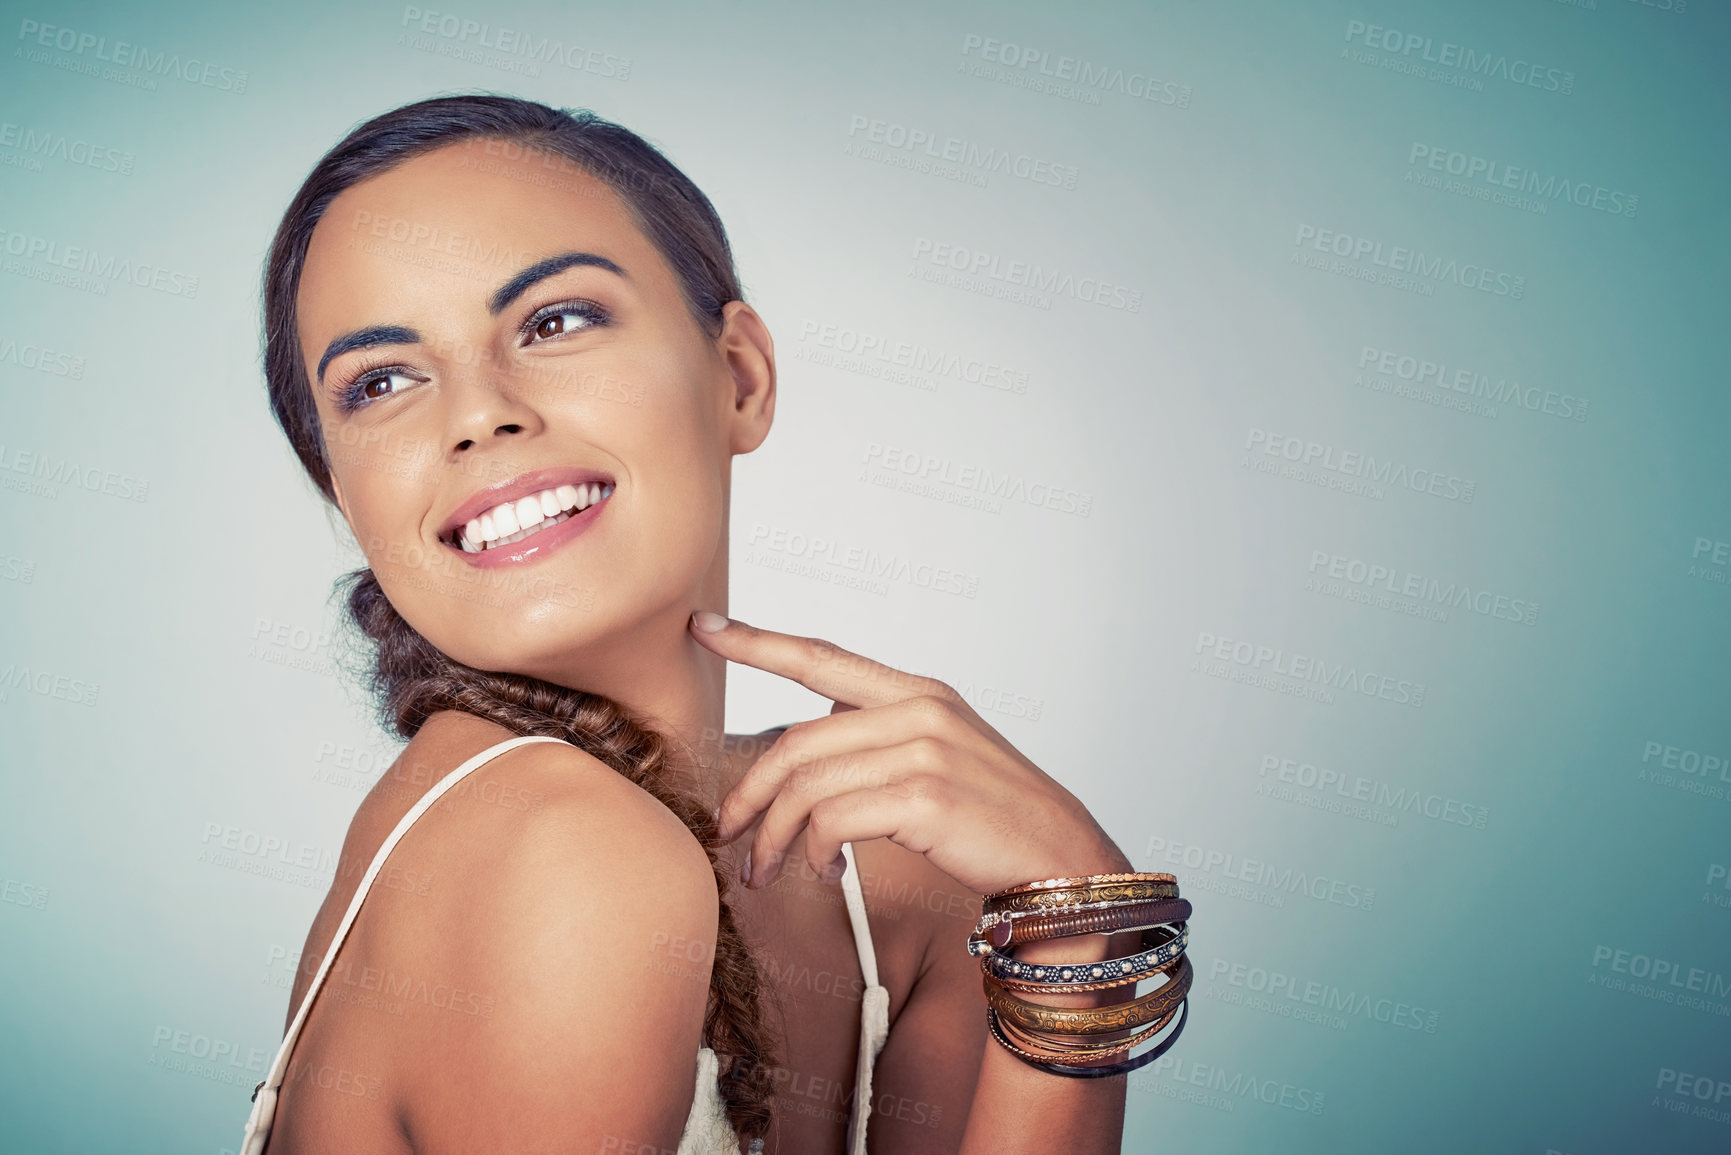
(483, 411)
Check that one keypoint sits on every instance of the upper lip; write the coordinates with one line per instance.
(515, 489)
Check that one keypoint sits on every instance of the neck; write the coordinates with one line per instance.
(668, 681)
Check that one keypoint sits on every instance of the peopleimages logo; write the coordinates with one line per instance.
(123, 54)
(50, 145)
(1665, 979)
(1498, 175)
(1326, 996)
(1374, 577)
(511, 43)
(1257, 872)
(1071, 76)
(1275, 662)
(1399, 259)
(94, 263)
(1359, 467)
(968, 154)
(1422, 371)
(1418, 48)
(983, 267)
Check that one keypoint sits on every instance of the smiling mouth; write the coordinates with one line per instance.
(513, 521)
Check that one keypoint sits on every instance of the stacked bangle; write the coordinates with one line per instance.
(1060, 1039)
(1164, 946)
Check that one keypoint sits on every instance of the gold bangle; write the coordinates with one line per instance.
(1084, 880)
(1129, 1015)
(1004, 1032)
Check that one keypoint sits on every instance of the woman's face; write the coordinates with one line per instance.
(494, 345)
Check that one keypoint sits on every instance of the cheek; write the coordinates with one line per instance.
(389, 482)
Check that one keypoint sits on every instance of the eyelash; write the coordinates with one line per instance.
(350, 398)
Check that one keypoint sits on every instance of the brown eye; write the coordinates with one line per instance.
(564, 320)
(382, 384)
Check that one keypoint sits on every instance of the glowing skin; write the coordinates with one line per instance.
(622, 384)
(458, 388)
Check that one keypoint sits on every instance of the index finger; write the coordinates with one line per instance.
(820, 666)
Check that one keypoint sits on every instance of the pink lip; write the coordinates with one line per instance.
(531, 548)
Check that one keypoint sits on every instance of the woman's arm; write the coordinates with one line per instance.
(943, 1086)
(903, 757)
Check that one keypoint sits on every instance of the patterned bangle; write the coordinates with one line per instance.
(1049, 1049)
(1100, 1072)
(1066, 898)
(1071, 883)
(1123, 1016)
(1164, 944)
(1131, 916)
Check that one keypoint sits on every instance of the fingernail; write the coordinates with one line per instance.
(745, 868)
(707, 622)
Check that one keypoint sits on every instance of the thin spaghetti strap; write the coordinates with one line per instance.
(874, 1028)
(265, 1094)
(856, 916)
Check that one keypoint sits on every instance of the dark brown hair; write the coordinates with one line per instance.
(411, 678)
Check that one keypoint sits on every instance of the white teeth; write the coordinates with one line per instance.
(512, 521)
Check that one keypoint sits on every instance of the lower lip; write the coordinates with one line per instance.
(536, 546)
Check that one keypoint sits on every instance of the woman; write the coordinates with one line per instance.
(508, 344)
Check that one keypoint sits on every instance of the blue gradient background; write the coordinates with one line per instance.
(1082, 642)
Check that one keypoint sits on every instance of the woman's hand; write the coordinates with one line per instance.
(901, 757)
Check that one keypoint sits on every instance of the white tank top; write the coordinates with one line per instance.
(707, 1131)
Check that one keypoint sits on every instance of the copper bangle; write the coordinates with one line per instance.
(1162, 947)
(1098, 1072)
(1131, 916)
(1060, 1048)
(990, 919)
(1064, 898)
(1092, 1020)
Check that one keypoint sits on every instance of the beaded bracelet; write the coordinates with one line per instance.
(1164, 946)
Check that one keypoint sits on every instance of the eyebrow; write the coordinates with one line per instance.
(366, 338)
(374, 335)
(540, 271)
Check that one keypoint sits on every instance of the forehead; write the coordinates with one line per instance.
(452, 225)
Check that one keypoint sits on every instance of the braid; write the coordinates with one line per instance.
(413, 681)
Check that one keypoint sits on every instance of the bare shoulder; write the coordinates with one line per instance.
(548, 827)
(527, 920)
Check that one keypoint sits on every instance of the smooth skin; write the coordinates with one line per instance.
(531, 972)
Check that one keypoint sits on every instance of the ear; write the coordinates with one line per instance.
(749, 352)
(342, 504)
